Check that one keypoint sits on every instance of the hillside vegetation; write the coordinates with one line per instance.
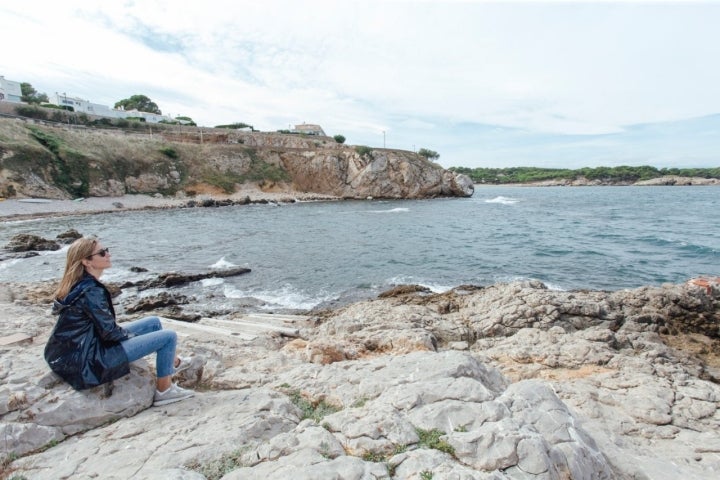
(609, 175)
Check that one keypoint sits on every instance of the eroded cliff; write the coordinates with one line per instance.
(52, 161)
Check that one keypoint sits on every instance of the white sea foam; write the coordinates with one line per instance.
(550, 286)
(408, 280)
(503, 200)
(210, 282)
(9, 263)
(222, 263)
(392, 210)
(61, 251)
(285, 297)
(118, 274)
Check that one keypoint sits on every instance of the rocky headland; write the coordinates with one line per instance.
(56, 161)
(507, 381)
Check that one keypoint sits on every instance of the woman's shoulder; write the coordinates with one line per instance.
(87, 284)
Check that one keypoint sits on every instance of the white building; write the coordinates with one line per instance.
(10, 91)
(309, 129)
(85, 106)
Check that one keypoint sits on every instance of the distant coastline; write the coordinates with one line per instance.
(665, 181)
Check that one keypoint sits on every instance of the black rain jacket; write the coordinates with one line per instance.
(84, 347)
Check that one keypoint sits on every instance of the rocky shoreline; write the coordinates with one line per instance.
(24, 208)
(507, 381)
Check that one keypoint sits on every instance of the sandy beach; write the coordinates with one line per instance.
(19, 209)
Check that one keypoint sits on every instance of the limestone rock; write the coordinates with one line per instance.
(547, 385)
(25, 242)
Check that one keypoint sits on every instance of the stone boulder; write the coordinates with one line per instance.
(24, 242)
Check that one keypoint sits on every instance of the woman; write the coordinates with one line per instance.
(87, 347)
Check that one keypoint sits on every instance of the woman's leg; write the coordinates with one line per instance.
(143, 326)
(161, 341)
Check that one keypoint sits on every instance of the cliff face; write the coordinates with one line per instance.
(38, 160)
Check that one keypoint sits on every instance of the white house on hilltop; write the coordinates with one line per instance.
(309, 129)
(85, 106)
(10, 91)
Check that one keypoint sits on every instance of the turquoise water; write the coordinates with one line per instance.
(305, 254)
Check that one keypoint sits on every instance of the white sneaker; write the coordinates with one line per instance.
(171, 395)
(183, 365)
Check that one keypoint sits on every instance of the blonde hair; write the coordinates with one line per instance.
(80, 249)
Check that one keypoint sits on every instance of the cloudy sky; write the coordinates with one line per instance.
(563, 84)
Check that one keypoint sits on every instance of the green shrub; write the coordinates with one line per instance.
(339, 138)
(235, 126)
(363, 151)
(169, 152)
(31, 112)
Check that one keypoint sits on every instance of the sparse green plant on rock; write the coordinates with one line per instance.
(339, 138)
(374, 457)
(363, 150)
(313, 410)
(426, 475)
(216, 469)
(70, 168)
(431, 439)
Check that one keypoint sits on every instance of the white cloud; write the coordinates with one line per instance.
(412, 69)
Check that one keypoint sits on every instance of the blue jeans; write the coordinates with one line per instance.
(150, 337)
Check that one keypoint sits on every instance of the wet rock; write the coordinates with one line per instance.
(173, 279)
(154, 302)
(25, 242)
(69, 236)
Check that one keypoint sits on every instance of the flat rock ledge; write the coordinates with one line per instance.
(509, 381)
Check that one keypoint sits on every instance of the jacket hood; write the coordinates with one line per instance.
(76, 292)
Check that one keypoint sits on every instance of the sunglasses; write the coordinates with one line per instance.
(102, 253)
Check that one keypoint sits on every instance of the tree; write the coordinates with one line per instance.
(236, 126)
(188, 121)
(339, 138)
(140, 103)
(30, 95)
(428, 154)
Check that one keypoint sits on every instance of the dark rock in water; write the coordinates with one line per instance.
(113, 289)
(118, 205)
(173, 279)
(138, 269)
(18, 255)
(404, 289)
(161, 300)
(24, 243)
(69, 236)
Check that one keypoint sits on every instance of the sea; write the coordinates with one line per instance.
(307, 255)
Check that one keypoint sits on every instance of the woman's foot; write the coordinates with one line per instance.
(182, 363)
(171, 395)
